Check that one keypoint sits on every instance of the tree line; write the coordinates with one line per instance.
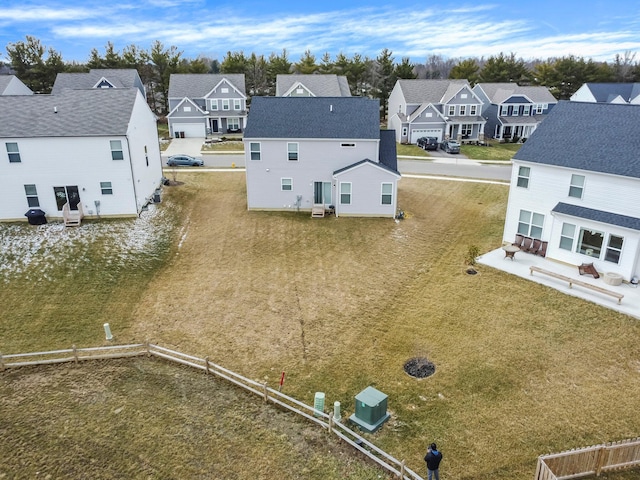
(37, 66)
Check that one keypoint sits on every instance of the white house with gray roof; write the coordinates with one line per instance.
(444, 109)
(576, 185)
(54, 149)
(608, 93)
(11, 85)
(513, 112)
(314, 85)
(202, 104)
(320, 154)
(99, 78)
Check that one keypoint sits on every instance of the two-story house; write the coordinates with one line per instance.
(444, 109)
(608, 93)
(513, 112)
(315, 85)
(320, 154)
(576, 185)
(99, 78)
(206, 104)
(11, 85)
(55, 150)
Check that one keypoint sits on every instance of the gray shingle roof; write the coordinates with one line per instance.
(429, 91)
(499, 92)
(80, 113)
(598, 216)
(118, 77)
(388, 155)
(599, 137)
(313, 117)
(606, 92)
(320, 85)
(197, 85)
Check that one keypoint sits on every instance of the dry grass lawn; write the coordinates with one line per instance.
(341, 304)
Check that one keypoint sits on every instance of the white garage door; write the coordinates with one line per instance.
(429, 132)
(189, 129)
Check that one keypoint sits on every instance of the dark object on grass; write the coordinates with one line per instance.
(36, 217)
(419, 367)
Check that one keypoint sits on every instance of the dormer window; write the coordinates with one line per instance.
(504, 110)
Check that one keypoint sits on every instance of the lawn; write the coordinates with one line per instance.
(494, 151)
(227, 146)
(409, 150)
(341, 304)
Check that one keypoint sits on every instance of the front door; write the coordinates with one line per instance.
(66, 194)
(322, 193)
(214, 125)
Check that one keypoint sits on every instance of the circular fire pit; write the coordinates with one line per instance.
(419, 367)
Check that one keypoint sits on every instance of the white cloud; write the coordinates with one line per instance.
(44, 14)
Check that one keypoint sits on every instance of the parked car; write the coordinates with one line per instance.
(450, 146)
(186, 160)
(428, 143)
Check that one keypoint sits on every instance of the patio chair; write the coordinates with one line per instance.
(526, 244)
(543, 249)
(588, 269)
(535, 246)
(519, 239)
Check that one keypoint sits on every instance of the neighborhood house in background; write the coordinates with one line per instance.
(326, 85)
(94, 150)
(576, 185)
(11, 85)
(320, 154)
(206, 104)
(608, 93)
(99, 78)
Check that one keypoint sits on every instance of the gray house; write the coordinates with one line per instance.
(99, 78)
(206, 104)
(513, 112)
(608, 93)
(11, 85)
(322, 154)
(315, 85)
(445, 109)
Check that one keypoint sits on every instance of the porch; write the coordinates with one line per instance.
(521, 267)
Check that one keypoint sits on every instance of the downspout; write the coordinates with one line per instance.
(133, 180)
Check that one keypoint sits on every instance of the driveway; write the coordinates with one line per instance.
(188, 146)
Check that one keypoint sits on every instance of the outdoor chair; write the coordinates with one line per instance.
(588, 269)
(519, 239)
(543, 249)
(535, 245)
(526, 244)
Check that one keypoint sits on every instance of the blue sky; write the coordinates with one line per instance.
(415, 29)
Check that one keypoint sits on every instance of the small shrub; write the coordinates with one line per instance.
(472, 253)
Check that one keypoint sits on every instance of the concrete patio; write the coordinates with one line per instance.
(630, 304)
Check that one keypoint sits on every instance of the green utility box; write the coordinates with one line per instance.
(371, 410)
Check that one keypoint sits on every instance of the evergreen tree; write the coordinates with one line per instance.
(466, 69)
(307, 64)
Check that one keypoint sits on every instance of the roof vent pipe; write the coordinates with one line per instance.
(55, 109)
(331, 108)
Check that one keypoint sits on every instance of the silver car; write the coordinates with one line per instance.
(184, 160)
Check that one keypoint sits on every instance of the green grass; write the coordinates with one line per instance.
(224, 146)
(339, 304)
(409, 150)
(495, 151)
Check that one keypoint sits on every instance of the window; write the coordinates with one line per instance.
(523, 177)
(186, 109)
(387, 193)
(530, 224)
(345, 193)
(32, 196)
(452, 110)
(214, 104)
(577, 186)
(292, 151)
(348, 145)
(465, 129)
(237, 104)
(299, 91)
(14, 153)
(428, 114)
(515, 111)
(106, 188)
(463, 95)
(567, 235)
(590, 242)
(473, 110)
(614, 248)
(286, 184)
(504, 110)
(225, 104)
(463, 110)
(116, 150)
(224, 90)
(233, 123)
(254, 149)
(527, 110)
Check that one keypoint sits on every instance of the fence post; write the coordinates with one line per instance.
(600, 461)
(146, 344)
(75, 353)
(206, 365)
(331, 423)
(401, 469)
(266, 393)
